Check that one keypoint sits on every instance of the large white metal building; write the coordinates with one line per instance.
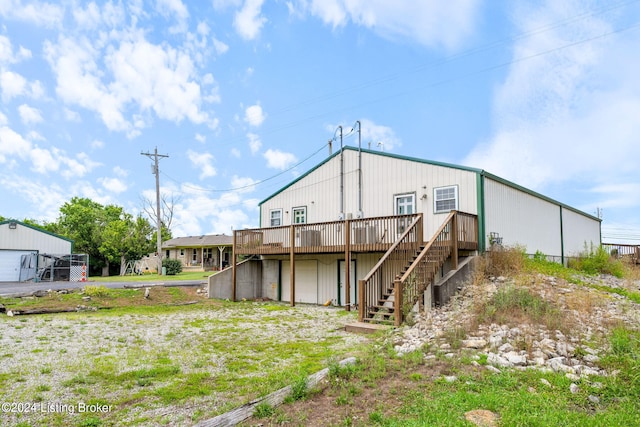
(20, 245)
(361, 187)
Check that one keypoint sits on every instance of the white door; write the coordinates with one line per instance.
(353, 285)
(306, 281)
(10, 265)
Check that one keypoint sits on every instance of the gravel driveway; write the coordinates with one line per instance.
(170, 366)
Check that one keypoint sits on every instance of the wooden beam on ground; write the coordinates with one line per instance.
(274, 399)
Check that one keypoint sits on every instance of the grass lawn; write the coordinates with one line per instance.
(156, 361)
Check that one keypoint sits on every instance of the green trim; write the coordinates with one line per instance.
(561, 238)
(42, 230)
(481, 215)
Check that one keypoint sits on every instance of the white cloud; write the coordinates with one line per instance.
(203, 161)
(236, 153)
(71, 115)
(248, 21)
(3, 119)
(36, 12)
(220, 47)
(200, 138)
(429, 22)
(12, 144)
(277, 159)
(566, 114)
(243, 184)
(120, 172)
(381, 137)
(12, 85)
(77, 167)
(254, 143)
(137, 78)
(29, 115)
(254, 115)
(114, 185)
(177, 9)
(43, 160)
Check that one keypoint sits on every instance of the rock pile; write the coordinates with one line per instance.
(525, 346)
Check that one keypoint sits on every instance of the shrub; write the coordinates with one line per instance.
(597, 261)
(173, 266)
(96, 291)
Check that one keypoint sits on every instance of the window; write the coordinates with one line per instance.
(275, 217)
(300, 215)
(182, 252)
(207, 253)
(445, 199)
(194, 255)
(405, 204)
(167, 253)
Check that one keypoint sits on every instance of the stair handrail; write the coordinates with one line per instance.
(399, 284)
(413, 227)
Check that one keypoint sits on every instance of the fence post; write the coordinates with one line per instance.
(397, 301)
(233, 264)
(292, 265)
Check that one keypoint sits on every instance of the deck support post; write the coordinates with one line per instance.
(292, 264)
(233, 269)
(347, 266)
(397, 301)
(361, 306)
(454, 241)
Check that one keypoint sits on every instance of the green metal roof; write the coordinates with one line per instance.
(481, 172)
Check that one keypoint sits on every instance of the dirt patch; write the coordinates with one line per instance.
(354, 402)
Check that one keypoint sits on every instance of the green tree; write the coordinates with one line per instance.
(126, 239)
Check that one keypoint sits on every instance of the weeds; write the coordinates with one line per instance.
(516, 305)
(597, 261)
(96, 291)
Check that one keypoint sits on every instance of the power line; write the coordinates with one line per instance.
(244, 187)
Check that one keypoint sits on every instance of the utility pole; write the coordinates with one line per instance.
(156, 170)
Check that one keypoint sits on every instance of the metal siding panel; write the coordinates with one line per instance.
(579, 231)
(306, 281)
(26, 238)
(522, 219)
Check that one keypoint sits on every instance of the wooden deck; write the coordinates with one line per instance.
(356, 235)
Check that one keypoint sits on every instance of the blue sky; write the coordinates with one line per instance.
(236, 92)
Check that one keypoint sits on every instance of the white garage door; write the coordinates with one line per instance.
(10, 265)
(306, 281)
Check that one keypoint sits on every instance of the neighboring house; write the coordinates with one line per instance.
(25, 248)
(368, 207)
(207, 253)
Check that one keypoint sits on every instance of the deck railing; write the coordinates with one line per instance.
(374, 234)
(373, 288)
(406, 271)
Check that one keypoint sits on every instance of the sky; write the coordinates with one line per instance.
(242, 97)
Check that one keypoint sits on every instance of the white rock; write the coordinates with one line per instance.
(474, 343)
(545, 382)
(573, 388)
(493, 369)
(497, 360)
(516, 359)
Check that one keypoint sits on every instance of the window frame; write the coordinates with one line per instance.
(302, 209)
(436, 200)
(271, 217)
(403, 223)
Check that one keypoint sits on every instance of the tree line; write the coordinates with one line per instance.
(108, 234)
